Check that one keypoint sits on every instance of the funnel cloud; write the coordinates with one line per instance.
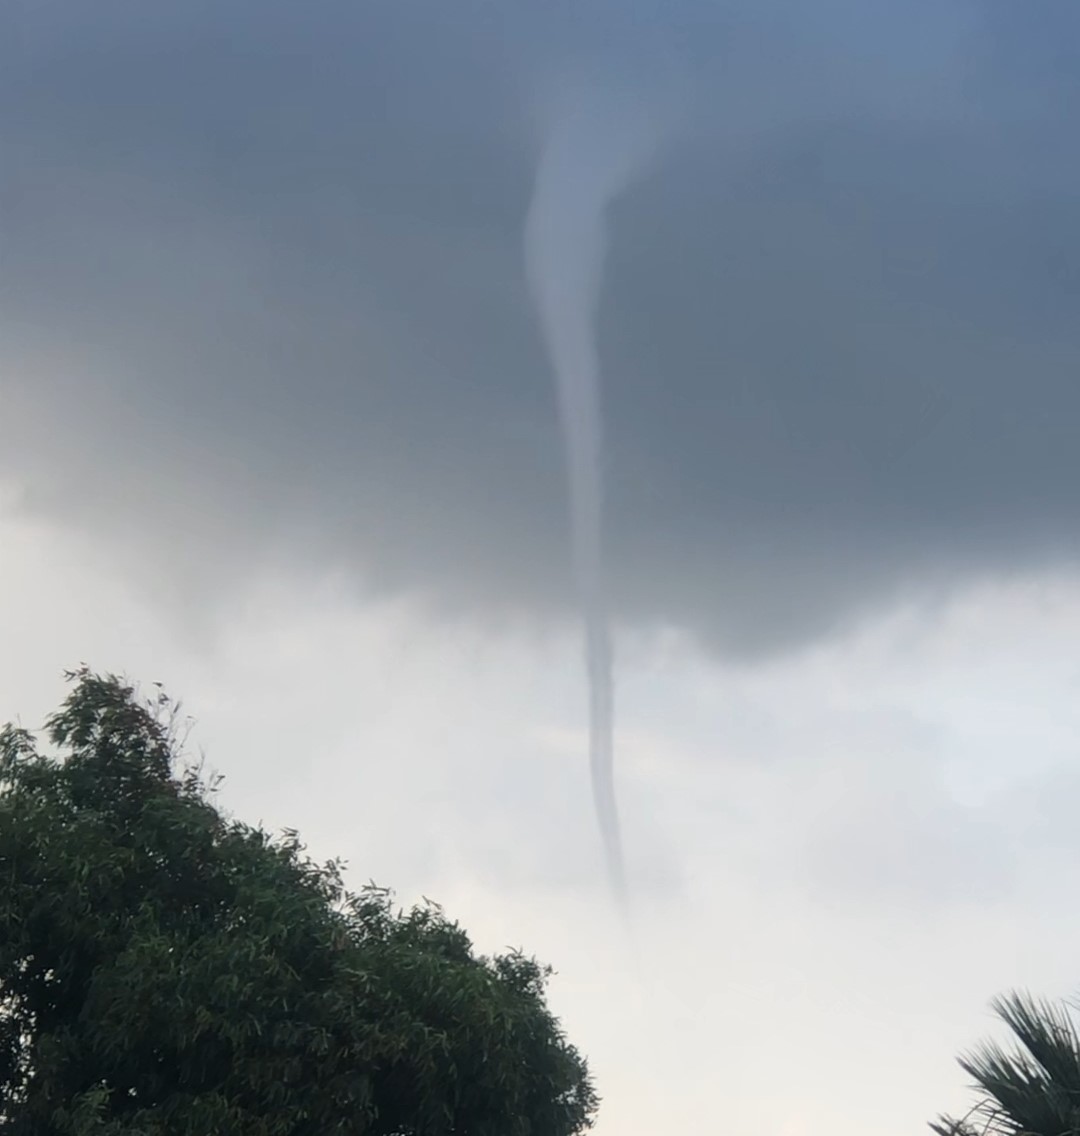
(593, 149)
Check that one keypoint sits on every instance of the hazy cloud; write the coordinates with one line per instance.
(813, 893)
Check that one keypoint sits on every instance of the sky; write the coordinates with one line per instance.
(277, 428)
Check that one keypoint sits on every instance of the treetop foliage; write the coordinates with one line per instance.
(165, 969)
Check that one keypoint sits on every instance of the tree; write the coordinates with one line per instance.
(1034, 1091)
(167, 969)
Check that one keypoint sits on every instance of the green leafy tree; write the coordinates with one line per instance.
(165, 969)
(1032, 1091)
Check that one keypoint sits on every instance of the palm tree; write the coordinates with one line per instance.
(1034, 1091)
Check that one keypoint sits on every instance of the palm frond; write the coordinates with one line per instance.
(1034, 1091)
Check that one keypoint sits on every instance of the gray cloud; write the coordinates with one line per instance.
(262, 289)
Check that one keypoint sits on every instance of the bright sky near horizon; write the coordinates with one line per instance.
(836, 859)
(277, 429)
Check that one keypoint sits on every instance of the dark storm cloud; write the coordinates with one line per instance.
(262, 280)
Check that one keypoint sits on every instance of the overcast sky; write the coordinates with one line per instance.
(277, 428)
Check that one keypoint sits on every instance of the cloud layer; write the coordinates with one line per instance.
(262, 296)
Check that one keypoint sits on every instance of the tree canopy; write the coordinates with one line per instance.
(167, 969)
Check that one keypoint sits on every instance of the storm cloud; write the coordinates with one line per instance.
(262, 296)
